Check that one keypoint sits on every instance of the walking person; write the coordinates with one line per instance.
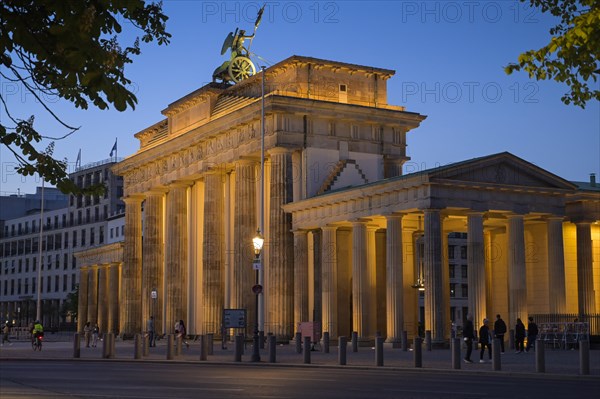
(181, 332)
(6, 333)
(532, 333)
(95, 334)
(520, 336)
(485, 340)
(500, 330)
(87, 330)
(151, 332)
(469, 335)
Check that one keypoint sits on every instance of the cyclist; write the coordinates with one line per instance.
(38, 331)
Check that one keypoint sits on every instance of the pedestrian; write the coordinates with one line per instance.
(151, 332)
(520, 336)
(468, 336)
(484, 340)
(181, 332)
(95, 334)
(86, 333)
(532, 333)
(500, 330)
(6, 333)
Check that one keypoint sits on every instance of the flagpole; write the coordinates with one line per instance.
(39, 271)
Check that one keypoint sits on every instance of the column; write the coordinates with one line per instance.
(517, 287)
(92, 310)
(556, 266)
(476, 268)
(83, 298)
(153, 259)
(372, 280)
(300, 277)
(585, 276)
(244, 229)
(329, 277)
(213, 269)
(435, 306)
(176, 255)
(131, 303)
(103, 297)
(394, 279)
(280, 279)
(360, 280)
(114, 288)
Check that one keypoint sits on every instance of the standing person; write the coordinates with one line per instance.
(500, 330)
(6, 333)
(182, 332)
(532, 333)
(520, 336)
(484, 340)
(469, 334)
(151, 332)
(95, 333)
(87, 329)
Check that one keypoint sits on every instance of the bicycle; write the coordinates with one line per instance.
(36, 343)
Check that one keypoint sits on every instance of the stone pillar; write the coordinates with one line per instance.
(280, 279)
(213, 266)
(176, 255)
(103, 298)
(92, 310)
(394, 279)
(153, 259)
(244, 229)
(329, 278)
(82, 304)
(435, 306)
(372, 280)
(300, 277)
(360, 280)
(476, 268)
(585, 276)
(517, 286)
(130, 320)
(114, 289)
(556, 266)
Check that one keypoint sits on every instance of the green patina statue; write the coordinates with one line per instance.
(239, 66)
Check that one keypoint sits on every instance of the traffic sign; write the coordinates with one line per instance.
(256, 265)
(257, 288)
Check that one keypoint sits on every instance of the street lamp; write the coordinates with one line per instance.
(257, 242)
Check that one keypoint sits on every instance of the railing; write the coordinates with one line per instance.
(592, 319)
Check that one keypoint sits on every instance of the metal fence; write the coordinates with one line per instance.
(593, 320)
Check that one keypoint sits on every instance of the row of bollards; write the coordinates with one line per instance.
(303, 345)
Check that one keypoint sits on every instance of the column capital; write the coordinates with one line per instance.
(329, 227)
(247, 160)
(156, 191)
(279, 150)
(180, 184)
(360, 221)
(133, 199)
(515, 216)
(394, 215)
(475, 213)
(553, 218)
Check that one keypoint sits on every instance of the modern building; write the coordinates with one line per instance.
(81, 223)
(349, 239)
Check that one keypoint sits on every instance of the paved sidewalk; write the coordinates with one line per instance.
(558, 362)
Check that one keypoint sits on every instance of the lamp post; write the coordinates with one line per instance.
(257, 242)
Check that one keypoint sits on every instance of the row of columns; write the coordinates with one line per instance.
(99, 297)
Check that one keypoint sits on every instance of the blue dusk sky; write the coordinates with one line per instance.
(448, 57)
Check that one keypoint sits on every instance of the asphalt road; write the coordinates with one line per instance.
(109, 379)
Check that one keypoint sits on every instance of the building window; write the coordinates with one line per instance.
(117, 232)
(111, 232)
(64, 283)
(463, 252)
(32, 285)
(83, 238)
(57, 265)
(66, 240)
(92, 236)
(354, 132)
(463, 271)
(450, 251)
(48, 284)
(465, 290)
(123, 230)
(451, 271)
(56, 282)
(74, 239)
(73, 281)
(19, 287)
(101, 237)
(26, 265)
(73, 262)
(65, 261)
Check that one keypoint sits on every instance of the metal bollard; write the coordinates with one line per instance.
(584, 357)
(105, 346)
(137, 346)
(540, 358)
(298, 342)
(342, 345)
(497, 363)
(76, 345)
(145, 345)
(306, 348)
(209, 343)
(326, 342)
(428, 340)
(272, 343)
(404, 341)
(354, 341)
(511, 339)
(379, 351)
(170, 347)
(261, 340)
(239, 348)
(178, 343)
(456, 355)
(417, 352)
(111, 354)
(203, 347)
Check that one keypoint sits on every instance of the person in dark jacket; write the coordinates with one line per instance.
(500, 330)
(469, 335)
(532, 333)
(520, 336)
(484, 340)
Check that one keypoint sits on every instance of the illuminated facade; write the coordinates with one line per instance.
(341, 221)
